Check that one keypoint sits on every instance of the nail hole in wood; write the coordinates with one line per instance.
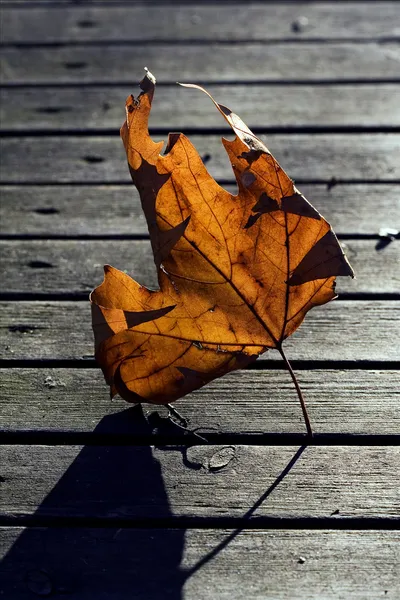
(92, 159)
(46, 210)
(39, 264)
(75, 65)
(52, 110)
(23, 328)
(86, 24)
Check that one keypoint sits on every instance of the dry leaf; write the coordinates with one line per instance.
(237, 274)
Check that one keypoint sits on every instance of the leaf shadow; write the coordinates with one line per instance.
(382, 243)
(222, 545)
(246, 517)
(166, 424)
(100, 554)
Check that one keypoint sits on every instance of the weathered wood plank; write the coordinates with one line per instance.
(259, 106)
(195, 62)
(115, 210)
(200, 564)
(201, 22)
(155, 482)
(351, 330)
(71, 266)
(77, 400)
(103, 160)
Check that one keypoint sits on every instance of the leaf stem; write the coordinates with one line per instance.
(298, 390)
(175, 416)
(172, 411)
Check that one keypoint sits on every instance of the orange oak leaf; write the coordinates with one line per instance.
(237, 274)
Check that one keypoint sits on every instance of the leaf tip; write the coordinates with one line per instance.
(148, 82)
(150, 75)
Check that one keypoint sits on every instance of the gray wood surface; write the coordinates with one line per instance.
(115, 210)
(323, 76)
(71, 266)
(77, 400)
(192, 564)
(348, 330)
(123, 481)
(286, 62)
(370, 157)
(288, 106)
(198, 21)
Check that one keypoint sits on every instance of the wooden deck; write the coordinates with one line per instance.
(103, 501)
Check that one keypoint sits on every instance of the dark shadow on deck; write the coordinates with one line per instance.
(103, 482)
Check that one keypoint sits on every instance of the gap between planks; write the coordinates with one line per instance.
(89, 362)
(262, 83)
(174, 439)
(257, 524)
(189, 131)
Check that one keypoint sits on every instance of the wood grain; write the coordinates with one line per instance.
(115, 210)
(99, 108)
(198, 62)
(67, 67)
(102, 159)
(200, 22)
(197, 564)
(77, 400)
(126, 481)
(350, 331)
(76, 267)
